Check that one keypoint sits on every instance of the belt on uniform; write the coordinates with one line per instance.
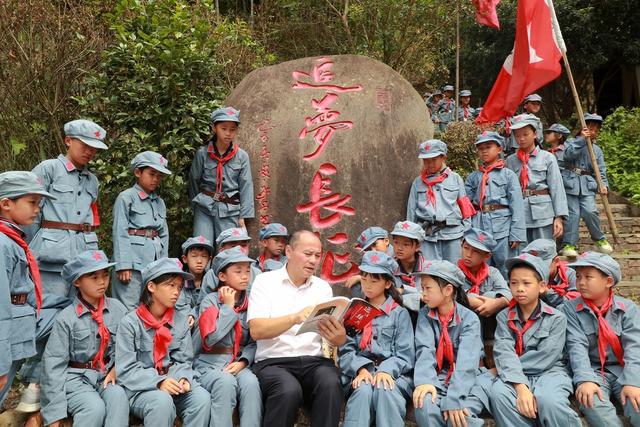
(84, 228)
(529, 193)
(491, 208)
(218, 350)
(221, 197)
(19, 299)
(581, 171)
(431, 227)
(164, 370)
(86, 365)
(143, 232)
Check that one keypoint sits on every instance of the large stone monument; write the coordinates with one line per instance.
(333, 146)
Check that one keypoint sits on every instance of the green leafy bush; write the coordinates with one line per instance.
(461, 152)
(154, 90)
(620, 139)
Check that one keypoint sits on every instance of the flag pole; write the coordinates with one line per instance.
(592, 154)
(457, 87)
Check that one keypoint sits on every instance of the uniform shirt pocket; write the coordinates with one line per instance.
(82, 343)
(62, 192)
(541, 207)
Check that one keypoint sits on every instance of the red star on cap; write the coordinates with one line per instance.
(97, 134)
(282, 228)
(363, 237)
(482, 237)
(583, 255)
(429, 264)
(485, 133)
(230, 112)
(39, 180)
(178, 263)
(235, 232)
(374, 259)
(97, 256)
(405, 225)
(427, 147)
(201, 239)
(523, 256)
(163, 161)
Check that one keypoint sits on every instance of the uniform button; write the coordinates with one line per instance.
(375, 337)
(79, 193)
(78, 213)
(223, 178)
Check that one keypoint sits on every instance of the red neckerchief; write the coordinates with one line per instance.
(445, 345)
(606, 335)
(554, 150)
(97, 314)
(524, 169)
(221, 161)
(163, 335)
(476, 279)
(208, 323)
(431, 196)
(409, 278)
(499, 164)
(465, 111)
(367, 331)
(515, 327)
(16, 236)
(562, 288)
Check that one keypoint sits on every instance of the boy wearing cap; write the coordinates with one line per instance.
(450, 388)
(67, 227)
(140, 232)
(486, 289)
(495, 192)
(561, 285)
(229, 238)
(407, 237)
(603, 342)
(533, 384)
(220, 184)
(432, 102)
(377, 363)
(465, 111)
(154, 353)
(224, 349)
(444, 108)
(438, 202)
(545, 201)
(273, 239)
(582, 187)
(531, 105)
(197, 252)
(20, 198)
(79, 376)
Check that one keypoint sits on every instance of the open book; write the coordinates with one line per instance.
(355, 314)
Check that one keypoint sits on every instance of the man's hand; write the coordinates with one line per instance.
(302, 315)
(585, 392)
(525, 401)
(332, 330)
(235, 367)
(558, 228)
(421, 392)
(185, 384)
(124, 275)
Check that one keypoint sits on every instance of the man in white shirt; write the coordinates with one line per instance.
(291, 368)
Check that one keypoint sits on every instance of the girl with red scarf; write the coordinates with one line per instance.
(223, 346)
(220, 184)
(533, 384)
(450, 387)
(495, 192)
(79, 378)
(603, 341)
(21, 294)
(376, 364)
(154, 353)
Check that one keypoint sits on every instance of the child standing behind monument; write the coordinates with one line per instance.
(220, 185)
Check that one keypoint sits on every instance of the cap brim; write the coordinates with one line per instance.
(484, 141)
(521, 125)
(225, 119)
(160, 169)
(477, 245)
(91, 142)
(373, 269)
(198, 245)
(273, 235)
(407, 235)
(94, 268)
(234, 239)
(430, 155)
(184, 274)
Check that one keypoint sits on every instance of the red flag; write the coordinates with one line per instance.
(486, 12)
(534, 61)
